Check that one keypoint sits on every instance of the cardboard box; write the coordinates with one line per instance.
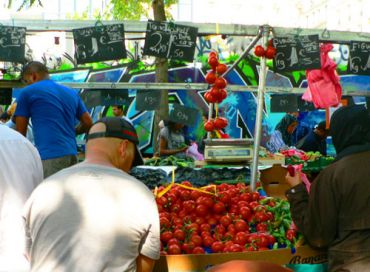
(273, 180)
(201, 262)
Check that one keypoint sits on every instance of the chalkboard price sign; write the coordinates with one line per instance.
(114, 97)
(283, 103)
(99, 43)
(6, 96)
(297, 53)
(148, 100)
(12, 43)
(303, 105)
(359, 58)
(183, 115)
(169, 40)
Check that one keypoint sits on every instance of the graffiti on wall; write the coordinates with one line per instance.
(239, 107)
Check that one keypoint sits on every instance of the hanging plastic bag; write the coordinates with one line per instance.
(193, 152)
(324, 89)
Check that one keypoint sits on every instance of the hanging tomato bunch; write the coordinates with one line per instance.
(269, 53)
(217, 93)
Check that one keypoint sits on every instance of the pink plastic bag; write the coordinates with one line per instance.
(193, 152)
(324, 89)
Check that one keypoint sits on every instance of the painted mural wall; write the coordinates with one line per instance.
(239, 107)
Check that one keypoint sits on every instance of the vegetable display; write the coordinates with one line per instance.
(222, 218)
(170, 161)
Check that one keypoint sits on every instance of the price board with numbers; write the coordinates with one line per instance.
(99, 43)
(148, 100)
(297, 53)
(12, 43)
(170, 41)
(183, 115)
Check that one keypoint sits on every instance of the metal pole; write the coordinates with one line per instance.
(246, 51)
(210, 113)
(260, 99)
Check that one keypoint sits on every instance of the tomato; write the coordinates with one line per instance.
(229, 235)
(164, 222)
(236, 248)
(201, 210)
(246, 197)
(259, 51)
(221, 123)
(251, 237)
(255, 196)
(241, 225)
(208, 241)
(221, 68)
(176, 207)
(174, 249)
(200, 220)
(166, 236)
(196, 239)
(213, 54)
(216, 93)
(182, 213)
(173, 241)
(271, 239)
(217, 246)
(187, 183)
(261, 216)
(205, 233)
(209, 126)
(270, 216)
(220, 229)
(194, 195)
(224, 196)
(270, 52)
(240, 238)
(193, 227)
(211, 77)
(160, 208)
(185, 195)
(233, 209)
(198, 250)
(220, 83)
(243, 203)
(290, 234)
(188, 247)
(162, 201)
(245, 213)
(235, 200)
(262, 241)
(207, 201)
(179, 234)
(225, 220)
(261, 227)
(253, 204)
(212, 221)
(231, 228)
(171, 197)
(205, 227)
(223, 94)
(189, 205)
(213, 62)
(210, 98)
(219, 207)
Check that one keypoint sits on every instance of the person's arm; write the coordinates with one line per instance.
(85, 123)
(144, 264)
(21, 124)
(314, 214)
(163, 150)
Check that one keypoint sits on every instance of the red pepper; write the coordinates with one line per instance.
(291, 170)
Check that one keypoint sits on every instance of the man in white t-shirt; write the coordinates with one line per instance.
(20, 172)
(94, 216)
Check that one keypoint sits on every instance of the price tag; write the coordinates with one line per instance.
(99, 43)
(6, 96)
(183, 115)
(297, 53)
(114, 97)
(169, 40)
(148, 100)
(12, 43)
(359, 58)
(283, 103)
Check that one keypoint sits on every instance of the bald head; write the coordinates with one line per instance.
(109, 150)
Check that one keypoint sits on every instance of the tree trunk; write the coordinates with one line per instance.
(161, 75)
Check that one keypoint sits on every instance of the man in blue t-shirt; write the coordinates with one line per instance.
(54, 110)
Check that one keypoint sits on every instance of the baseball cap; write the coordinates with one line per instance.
(119, 127)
